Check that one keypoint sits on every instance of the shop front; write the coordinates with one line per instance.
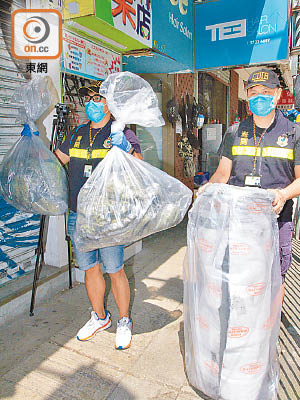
(169, 69)
(213, 95)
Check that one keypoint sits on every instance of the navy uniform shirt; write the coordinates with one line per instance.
(278, 154)
(75, 145)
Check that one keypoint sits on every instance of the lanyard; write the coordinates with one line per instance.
(92, 141)
(256, 145)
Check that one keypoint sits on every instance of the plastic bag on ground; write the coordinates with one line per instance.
(32, 179)
(131, 100)
(125, 200)
(232, 294)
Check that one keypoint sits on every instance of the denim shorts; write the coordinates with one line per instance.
(111, 258)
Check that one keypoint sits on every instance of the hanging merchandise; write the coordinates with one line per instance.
(178, 126)
(125, 200)
(183, 115)
(197, 115)
(232, 294)
(194, 142)
(172, 111)
(31, 177)
(185, 149)
(200, 121)
(189, 168)
(189, 112)
(190, 123)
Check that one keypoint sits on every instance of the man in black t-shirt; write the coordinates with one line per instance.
(264, 151)
(83, 149)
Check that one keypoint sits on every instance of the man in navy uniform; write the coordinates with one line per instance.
(264, 151)
(83, 149)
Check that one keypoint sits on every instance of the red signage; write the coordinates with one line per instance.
(287, 98)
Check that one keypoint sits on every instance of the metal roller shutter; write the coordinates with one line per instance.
(18, 231)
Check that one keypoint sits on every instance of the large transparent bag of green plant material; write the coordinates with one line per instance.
(31, 177)
(232, 294)
(125, 200)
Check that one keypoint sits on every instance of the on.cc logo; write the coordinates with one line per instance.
(36, 29)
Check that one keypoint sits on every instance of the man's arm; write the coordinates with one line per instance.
(62, 157)
(221, 175)
(134, 141)
(223, 171)
(137, 155)
(293, 189)
(287, 193)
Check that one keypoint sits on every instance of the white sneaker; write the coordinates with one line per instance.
(123, 334)
(94, 325)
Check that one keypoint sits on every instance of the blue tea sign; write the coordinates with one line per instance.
(253, 32)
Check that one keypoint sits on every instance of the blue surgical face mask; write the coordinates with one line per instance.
(94, 111)
(262, 104)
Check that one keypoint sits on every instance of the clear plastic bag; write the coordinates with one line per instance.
(35, 98)
(131, 100)
(232, 294)
(32, 179)
(125, 200)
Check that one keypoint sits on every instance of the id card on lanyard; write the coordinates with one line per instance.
(87, 170)
(254, 179)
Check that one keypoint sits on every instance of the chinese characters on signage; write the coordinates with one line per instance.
(133, 18)
(286, 101)
(87, 58)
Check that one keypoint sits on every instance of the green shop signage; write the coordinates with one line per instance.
(122, 25)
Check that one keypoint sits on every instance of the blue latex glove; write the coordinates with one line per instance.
(118, 139)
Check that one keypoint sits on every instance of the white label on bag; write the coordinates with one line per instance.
(179, 127)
